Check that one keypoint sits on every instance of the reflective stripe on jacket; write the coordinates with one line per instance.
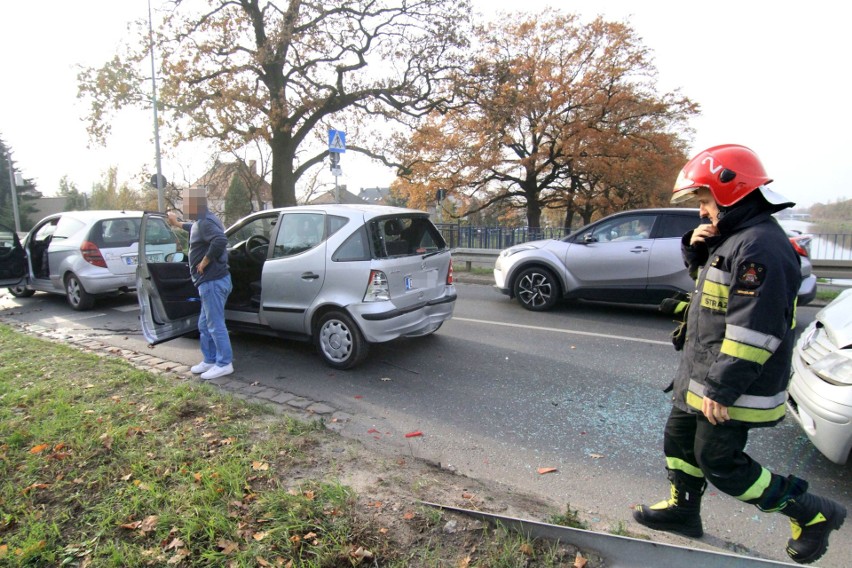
(740, 324)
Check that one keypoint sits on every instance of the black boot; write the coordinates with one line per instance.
(681, 513)
(812, 518)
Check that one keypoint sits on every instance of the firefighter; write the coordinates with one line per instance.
(736, 355)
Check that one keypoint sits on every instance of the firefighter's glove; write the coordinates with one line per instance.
(677, 306)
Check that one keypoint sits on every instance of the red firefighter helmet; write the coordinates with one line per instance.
(729, 171)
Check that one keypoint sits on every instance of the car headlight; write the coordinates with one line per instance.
(514, 250)
(834, 368)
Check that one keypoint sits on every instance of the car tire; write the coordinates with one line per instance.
(536, 289)
(21, 291)
(76, 295)
(339, 341)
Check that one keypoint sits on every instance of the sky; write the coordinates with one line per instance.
(767, 77)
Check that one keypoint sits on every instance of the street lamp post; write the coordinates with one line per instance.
(13, 185)
(159, 178)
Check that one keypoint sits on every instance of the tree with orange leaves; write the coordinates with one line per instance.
(556, 113)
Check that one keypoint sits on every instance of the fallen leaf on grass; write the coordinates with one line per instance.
(361, 554)
(149, 524)
(526, 549)
(543, 470)
(261, 561)
(29, 488)
(408, 515)
(39, 449)
(579, 561)
(414, 434)
(464, 562)
(259, 466)
(373, 431)
(258, 536)
(466, 495)
(227, 546)
(131, 526)
(3, 550)
(175, 544)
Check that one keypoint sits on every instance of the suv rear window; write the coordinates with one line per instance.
(404, 235)
(676, 225)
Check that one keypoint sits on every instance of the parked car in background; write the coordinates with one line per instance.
(802, 245)
(84, 255)
(820, 391)
(13, 261)
(629, 257)
(342, 276)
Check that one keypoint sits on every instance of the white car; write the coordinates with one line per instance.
(820, 391)
(83, 255)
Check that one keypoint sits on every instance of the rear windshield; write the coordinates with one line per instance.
(115, 233)
(404, 235)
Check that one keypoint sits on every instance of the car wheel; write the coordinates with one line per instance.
(536, 289)
(77, 296)
(21, 291)
(339, 341)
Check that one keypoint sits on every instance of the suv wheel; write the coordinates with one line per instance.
(77, 296)
(21, 291)
(536, 289)
(339, 341)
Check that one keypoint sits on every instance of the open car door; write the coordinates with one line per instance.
(168, 301)
(13, 260)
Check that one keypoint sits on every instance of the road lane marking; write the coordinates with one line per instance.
(568, 331)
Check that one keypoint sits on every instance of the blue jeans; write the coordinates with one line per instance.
(215, 343)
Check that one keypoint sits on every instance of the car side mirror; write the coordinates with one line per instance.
(176, 257)
(589, 238)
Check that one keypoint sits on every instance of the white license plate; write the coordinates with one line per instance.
(134, 260)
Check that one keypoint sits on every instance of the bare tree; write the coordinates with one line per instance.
(238, 71)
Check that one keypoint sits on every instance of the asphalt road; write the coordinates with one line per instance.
(499, 392)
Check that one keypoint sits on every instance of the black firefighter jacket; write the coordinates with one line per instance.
(741, 319)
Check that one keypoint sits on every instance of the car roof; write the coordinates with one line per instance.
(347, 208)
(660, 210)
(95, 215)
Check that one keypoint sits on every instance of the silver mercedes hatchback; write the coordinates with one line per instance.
(83, 255)
(341, 276)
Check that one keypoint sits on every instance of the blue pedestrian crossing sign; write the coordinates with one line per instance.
(336, 141)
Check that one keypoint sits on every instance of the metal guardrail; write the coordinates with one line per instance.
(618, 551)
(481, 257)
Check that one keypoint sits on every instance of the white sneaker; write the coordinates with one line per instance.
(202, 367)
(215, 372)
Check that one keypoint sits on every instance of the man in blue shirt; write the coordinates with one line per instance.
(208, 265)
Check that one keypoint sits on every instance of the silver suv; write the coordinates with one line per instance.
(83, 255)
(630, 257)
(342, 276)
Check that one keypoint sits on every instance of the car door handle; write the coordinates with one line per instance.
(309, 276)
(639, 250)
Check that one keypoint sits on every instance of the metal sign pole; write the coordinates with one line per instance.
(14, 187)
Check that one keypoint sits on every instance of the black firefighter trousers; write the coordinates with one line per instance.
(696, 448)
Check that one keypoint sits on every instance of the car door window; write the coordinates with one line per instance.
(299, 232)
(624, 228)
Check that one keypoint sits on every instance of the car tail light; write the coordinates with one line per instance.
(377, 289)
(798, 247)
(92, 254)
(450, 273)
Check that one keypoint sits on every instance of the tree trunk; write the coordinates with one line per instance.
(283, 179)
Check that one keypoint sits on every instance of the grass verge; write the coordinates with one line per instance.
(103, 464)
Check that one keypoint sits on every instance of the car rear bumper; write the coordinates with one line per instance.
(107, 283)
(380, 322)
(807, 290)
(827, 423)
